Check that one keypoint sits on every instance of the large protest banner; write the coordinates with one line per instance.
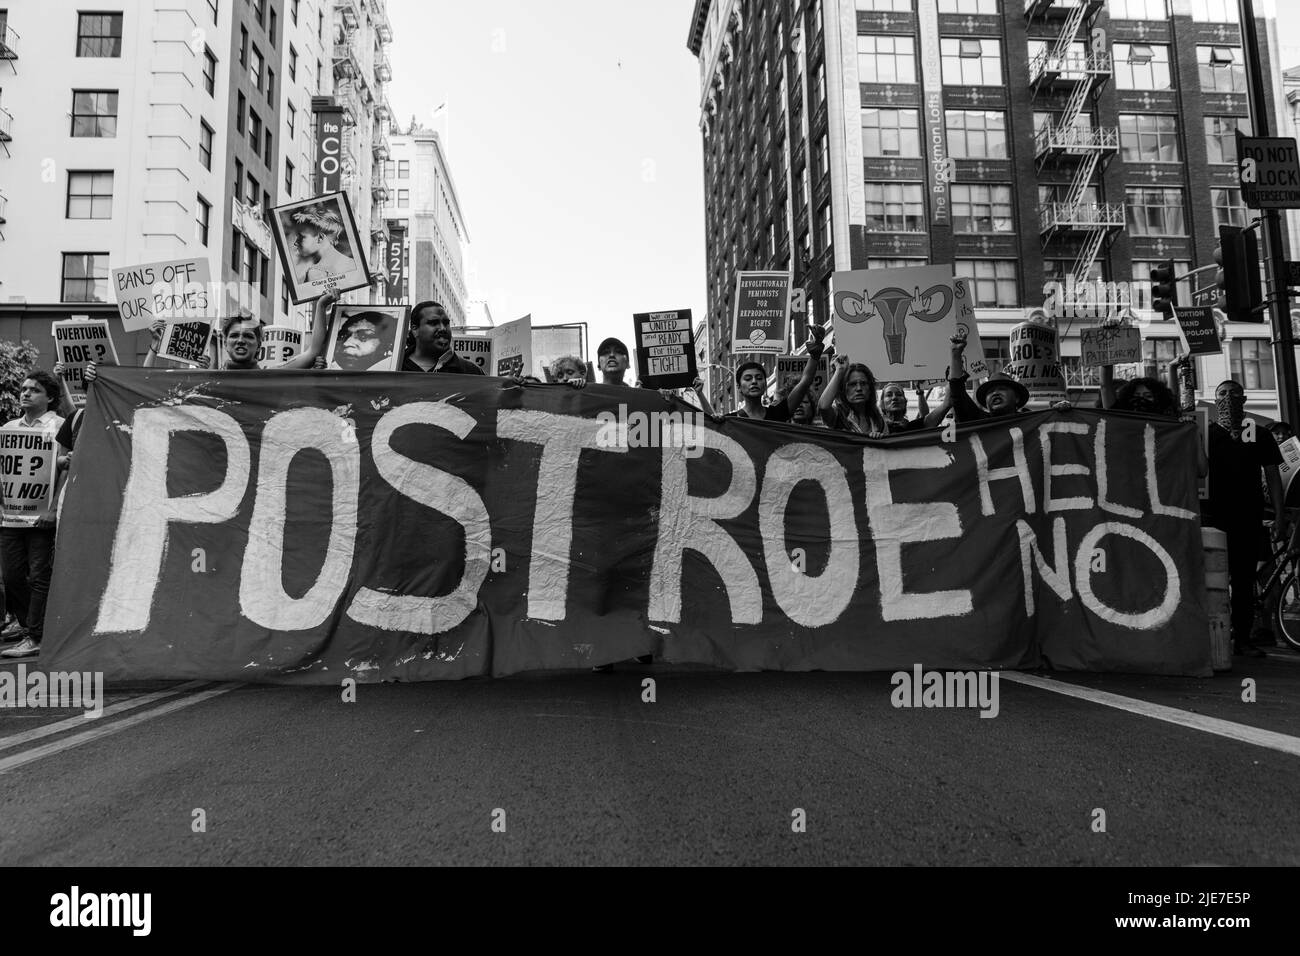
(77, 343)
(898, 321)
(760, 321)
(430, 527)
(26, 475)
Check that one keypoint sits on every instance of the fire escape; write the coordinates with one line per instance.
(9, 54)
(1062, 69)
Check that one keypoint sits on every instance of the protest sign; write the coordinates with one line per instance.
(367, 338)
(1200, 331)
(76, 345)
(976, 363)
(1290, 463)
(456, 528)
(512, 348)
(27, 459)
(1036, 361)
(760, 321)
(186, 342)
(320, 247)
(474, 348)
(176, 289)
(1111, 345)
(789, 369)
(665, 348)
(897, 321)
(280, 343)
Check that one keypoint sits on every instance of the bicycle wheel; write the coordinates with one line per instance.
(1288, 609)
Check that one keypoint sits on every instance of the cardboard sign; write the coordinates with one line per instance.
(76, 345)
(1111, 345)
(896, 321)
(760, 321)
(789, 369)
(280, 343)
(26, 474)
(665, 348)
(474, 348)
(1036, 361)
(976, 364)
(512, 348)
(186, 342)
(1200, 331)
(176, 289)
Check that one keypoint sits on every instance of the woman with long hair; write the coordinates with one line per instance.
(848, 402)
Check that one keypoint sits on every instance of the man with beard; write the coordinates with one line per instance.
(1239, 454)
(431, 329)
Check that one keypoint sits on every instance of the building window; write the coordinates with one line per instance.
(992, 280)
(976, 134)
(270, 86)
(320, 25)
(241, 107)
(99, 34)
(1139, 10)
(271, 23)
(1229, 210)
(826, 233)
(249, 271)
(1251, 361)
(288, 179)
(254, 129)
(1155, 212)
(205, 144)
(823, 155)
(1221, 137)
(1215, 11)
(293, 64)
(878, 263)
(259, 11)
(291, 121)
(85, 277)
(1157, 353)
(895, 207)
(236, 250)
(293, 11)
(212, 5)
(805, 187)
(94, 113)
(209, 72)
(971, 62)
(255, 68)
(390, 169)
(239, 181)
(243, 46)
(1060, 270)
(1222, 69)
(90, 195)
(968, 6)
(1058, 192)
(202, 220)
(403, 169)
(403, 199)
(319, 68)
(886, 6)
(1142, 67)
(819, 91)
(254, 187)
(997, 351)
(884, 59)
(981, 209)
(890, 133)
(265, 274)
(267, 152)
(1148, 138)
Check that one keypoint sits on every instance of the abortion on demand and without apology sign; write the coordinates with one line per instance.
(665, 348)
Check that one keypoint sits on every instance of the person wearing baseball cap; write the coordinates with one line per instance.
(612, 361)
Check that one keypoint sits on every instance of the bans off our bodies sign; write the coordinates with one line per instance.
(434, 527)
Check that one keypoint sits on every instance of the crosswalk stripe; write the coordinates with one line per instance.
(58, 727)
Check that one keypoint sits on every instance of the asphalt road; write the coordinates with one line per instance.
(712, 772)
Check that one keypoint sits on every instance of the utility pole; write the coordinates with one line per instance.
(1283, 340)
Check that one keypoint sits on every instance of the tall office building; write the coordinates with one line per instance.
(1024, 141)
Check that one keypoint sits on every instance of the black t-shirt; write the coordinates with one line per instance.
(68, 431)
(777, 412)
(1236, 487)
(456, 365)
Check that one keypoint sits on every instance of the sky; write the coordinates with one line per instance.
(574, 143)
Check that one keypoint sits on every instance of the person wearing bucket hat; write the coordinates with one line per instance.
(999, 395)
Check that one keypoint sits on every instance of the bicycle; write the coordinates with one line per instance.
(1277, 595)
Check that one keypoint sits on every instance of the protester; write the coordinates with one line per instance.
(1238, 456)
(893, 404)
(849, 403)
(432, 352)
(569, 370)
(999, 394)
(27, 554)
(612, 361)
(751, 384)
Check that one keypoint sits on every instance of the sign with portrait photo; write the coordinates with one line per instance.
(320, 249)
(367, 338)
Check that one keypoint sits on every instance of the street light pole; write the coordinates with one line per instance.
(1283, 339)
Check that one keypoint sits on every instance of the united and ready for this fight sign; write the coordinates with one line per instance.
(665, 348)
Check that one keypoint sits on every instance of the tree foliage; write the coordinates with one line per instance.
(17, 359)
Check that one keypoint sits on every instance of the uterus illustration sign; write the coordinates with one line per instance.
(896, 321)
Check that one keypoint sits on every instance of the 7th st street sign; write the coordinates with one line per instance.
(1270, 172)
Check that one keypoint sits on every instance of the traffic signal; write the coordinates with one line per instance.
(1240, 295)
(1164, 292)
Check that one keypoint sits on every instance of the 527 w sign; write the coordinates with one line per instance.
(1270, 172)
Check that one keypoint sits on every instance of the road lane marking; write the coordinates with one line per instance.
(47, 730)
(101, 730)
(1183, 718)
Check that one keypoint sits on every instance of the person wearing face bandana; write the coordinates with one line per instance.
(1238, 455)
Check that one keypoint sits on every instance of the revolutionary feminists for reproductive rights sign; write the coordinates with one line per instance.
(399, 527)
